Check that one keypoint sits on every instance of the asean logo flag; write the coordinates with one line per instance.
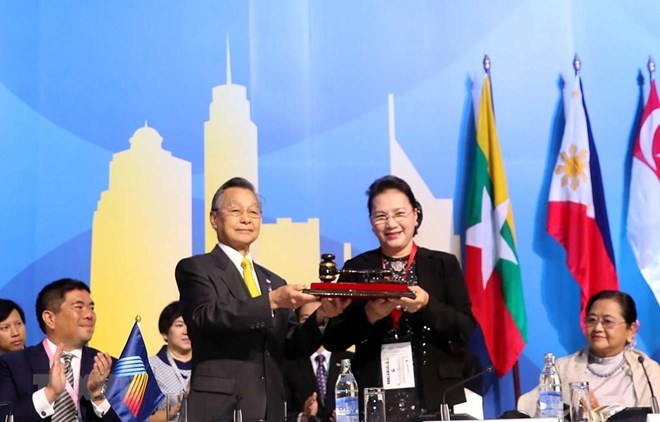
(577, 217)
(643, 215)
(132, 389)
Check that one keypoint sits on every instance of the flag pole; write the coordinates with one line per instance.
(486, 64)
(516, 370)
(651, 66)
(577, 64)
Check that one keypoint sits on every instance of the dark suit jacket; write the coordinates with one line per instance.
(300, 383)
(239, 344)
(440, 331)
(21, 369)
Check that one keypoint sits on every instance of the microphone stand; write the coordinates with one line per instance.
(444, 407)
(238, 414)
(654, 400)
(10, 415)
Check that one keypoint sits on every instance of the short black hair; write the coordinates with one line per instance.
(50, 298)
(167, 317)
(234, 182)
(393, 182)
(6, 308)
(627, 303)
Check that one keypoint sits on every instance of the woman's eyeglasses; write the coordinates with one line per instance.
(607, 323)
(381, 218)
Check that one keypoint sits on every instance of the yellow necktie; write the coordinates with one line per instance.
(250, 282)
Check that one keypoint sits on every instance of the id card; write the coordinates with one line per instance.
(396, 363)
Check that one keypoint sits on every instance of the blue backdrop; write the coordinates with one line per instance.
(77, 79)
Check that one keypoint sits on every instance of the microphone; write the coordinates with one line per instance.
(238, 414)
(654, 399)
(10, 414)
(444, 407)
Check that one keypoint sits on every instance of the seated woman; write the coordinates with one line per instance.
(172, 364)
(610, 362)
(432, 329)
(12, 326)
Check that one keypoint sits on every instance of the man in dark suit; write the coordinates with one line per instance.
(60, 377)
(240, 317)
(300, 376)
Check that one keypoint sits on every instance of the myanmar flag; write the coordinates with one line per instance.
(492, 271)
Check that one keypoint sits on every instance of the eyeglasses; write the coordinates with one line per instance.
(236, 212)
(607, 323)
(381, 218)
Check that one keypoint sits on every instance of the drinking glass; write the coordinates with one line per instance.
(580, 402)
(374, 404)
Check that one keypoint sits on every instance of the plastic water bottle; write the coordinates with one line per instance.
(346, 395)
(551, 404)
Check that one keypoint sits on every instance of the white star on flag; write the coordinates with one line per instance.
(489, 230)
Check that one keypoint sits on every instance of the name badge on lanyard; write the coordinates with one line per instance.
(396, 363)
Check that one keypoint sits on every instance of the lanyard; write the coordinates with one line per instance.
(396, 313)
(177, 371)
(73, 392)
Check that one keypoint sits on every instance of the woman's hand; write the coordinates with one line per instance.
(413, 305)
(330, 308)
(377, 309)
(593, 400)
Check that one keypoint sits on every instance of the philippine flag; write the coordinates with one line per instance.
(577, 217)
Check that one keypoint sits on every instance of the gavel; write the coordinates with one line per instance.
(328, 272)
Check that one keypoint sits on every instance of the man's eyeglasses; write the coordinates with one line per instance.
(607, 323)
(381, 218)
(236, 212)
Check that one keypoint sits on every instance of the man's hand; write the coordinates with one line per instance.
(99, 375)
(377, 309)
(289, 296)
(331, 307)
(56, 378)
(413, 305)
(311, 407)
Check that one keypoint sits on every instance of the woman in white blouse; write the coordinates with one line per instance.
(610, 363)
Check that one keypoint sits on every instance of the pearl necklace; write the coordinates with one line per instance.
(610, 372)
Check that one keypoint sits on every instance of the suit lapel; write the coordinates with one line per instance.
(333, 370)
(39, 359)
(424, 269)
(307, 372)
(264, 281)
(229, 274)
(86, 361)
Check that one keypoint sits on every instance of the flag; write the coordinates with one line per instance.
(492, 271)
(577, 217)
(643, 216)
(132, 388)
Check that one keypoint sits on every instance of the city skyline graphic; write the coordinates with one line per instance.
(143, 223)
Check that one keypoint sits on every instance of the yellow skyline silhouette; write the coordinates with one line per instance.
(142, 227)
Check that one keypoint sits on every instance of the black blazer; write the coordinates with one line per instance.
(239, 344)
(439, 332)
(300, 383)
(21, 369)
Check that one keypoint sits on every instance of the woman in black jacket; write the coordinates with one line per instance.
(432, 328)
